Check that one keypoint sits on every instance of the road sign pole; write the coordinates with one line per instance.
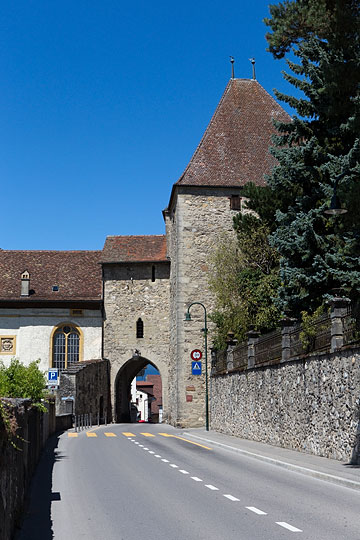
(205, 330)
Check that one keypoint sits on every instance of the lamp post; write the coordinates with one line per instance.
(335, 206)
(205, 330)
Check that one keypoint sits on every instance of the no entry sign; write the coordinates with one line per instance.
(196, 354)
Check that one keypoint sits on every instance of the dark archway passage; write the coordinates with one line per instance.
(123, 386)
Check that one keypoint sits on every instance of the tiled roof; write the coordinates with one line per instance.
(235, 147)
(76, 273)
(118, 249)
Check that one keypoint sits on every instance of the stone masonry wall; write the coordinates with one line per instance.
(130, 294)
(85, 385)
(195, 224)
(18, 462)
(310, 405)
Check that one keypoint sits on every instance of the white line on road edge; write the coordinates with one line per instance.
(256, 510)
(165, 460)
(145, 448)
(157, 455)
(174, 466)
(136, 442)
(231, 498)
(196, 479)
(141, 446)
(183, 472)
(287, 526)
(213, 488)
(151, 452)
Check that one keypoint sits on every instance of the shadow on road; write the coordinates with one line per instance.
(37, 522)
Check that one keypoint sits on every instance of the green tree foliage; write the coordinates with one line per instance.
(19, 381)
(244, 274)
(317, 252)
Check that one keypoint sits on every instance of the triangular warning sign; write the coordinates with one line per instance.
(196, 366)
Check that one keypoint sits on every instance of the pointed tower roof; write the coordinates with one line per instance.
(234, 149)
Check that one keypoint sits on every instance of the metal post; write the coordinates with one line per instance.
(98, 420)
(205, 330)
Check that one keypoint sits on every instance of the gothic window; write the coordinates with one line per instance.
(65, 346)
(139, 329)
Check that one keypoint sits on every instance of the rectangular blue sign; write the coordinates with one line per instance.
(196, 368)
(53, 376)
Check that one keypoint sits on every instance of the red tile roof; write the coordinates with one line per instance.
(119, 249)
(76, 273)
(235, 147)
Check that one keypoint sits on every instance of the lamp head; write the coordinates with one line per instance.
(187, 316)
(335, 207)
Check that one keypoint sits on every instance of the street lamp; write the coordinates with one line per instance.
(205, 330)
(335, 206)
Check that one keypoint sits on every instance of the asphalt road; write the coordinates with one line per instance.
(135, 481)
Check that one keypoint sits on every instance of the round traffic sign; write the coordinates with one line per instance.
(196, 354)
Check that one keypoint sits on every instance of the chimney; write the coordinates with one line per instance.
(25, 283)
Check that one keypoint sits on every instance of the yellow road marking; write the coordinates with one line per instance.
(109, 434)
(191, 442)
(72, 434)
(186, 440)
(147, 434)
(128, 434)
(91, 434)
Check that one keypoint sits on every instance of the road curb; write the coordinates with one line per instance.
(339, 480)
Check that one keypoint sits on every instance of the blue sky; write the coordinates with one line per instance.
(103, 104)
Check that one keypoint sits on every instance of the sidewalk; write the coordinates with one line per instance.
(329, 470)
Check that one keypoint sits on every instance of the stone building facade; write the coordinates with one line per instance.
(135, 295)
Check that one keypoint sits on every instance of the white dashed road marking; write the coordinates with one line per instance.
(231, 498)
(256, 510)
(287, 526)
(214, 488)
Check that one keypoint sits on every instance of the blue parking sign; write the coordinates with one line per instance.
(53, 376)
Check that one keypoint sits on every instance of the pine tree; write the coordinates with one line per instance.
(317, 253)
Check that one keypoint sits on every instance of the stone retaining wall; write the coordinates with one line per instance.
(17, 464)
(85, 389)
(310, 405)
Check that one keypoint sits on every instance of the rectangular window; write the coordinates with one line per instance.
(235, 202)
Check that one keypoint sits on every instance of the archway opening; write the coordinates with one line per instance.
(138, 392)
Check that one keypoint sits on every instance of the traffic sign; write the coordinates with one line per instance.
(196, 368)
(53, 377)
(196, 354)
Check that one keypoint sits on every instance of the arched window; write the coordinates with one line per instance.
(139, 329)
(65, 346)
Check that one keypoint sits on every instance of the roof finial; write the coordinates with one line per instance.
(232, 67)
(252, 60)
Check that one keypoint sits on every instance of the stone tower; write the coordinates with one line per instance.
(149, 281)
(233, 151)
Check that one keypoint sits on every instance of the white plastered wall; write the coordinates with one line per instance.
(32, 329)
